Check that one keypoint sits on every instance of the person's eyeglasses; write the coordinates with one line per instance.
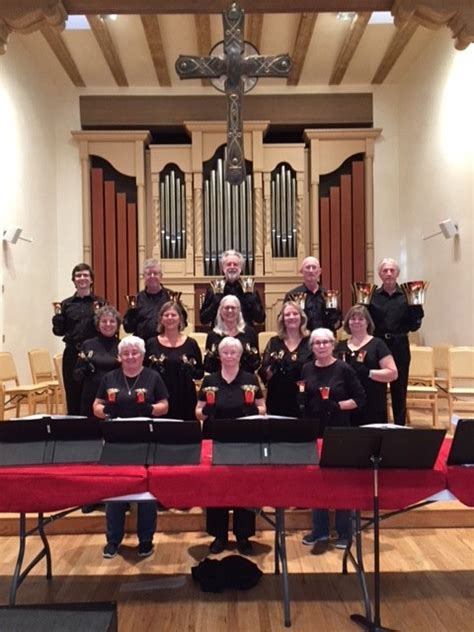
(322, 343)
(229, 308)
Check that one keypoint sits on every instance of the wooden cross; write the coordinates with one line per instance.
(236, 68)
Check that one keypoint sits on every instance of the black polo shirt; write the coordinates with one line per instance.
(229, 396)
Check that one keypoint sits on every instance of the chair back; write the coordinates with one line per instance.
(40, 365)
(58, 367)
(8, 372)
(264, 337)
(422, 364)
(461, 363)
(200, 337)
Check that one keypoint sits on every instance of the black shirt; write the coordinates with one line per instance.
(76, 320)
(126, 397)
(315, 309)
(343, 384)
(281, 387)
(142, 320)
(250, 359)
(392, 314)
(250, 303)
(230, 402)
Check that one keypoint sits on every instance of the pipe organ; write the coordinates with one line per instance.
(188, 215)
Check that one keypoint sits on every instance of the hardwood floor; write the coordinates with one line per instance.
(427, 583)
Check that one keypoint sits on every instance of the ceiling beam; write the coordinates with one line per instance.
(300, 50)
(102, 35)
(394, 50)
(353, 37)
(59, 48)
(254, 27)
(203, 33)
(10, 8)
(151, 26)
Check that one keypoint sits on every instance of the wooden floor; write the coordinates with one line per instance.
(428, 583)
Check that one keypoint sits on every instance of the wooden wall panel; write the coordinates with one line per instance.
(325, 241)
(132, 257)
(97, 223)
(358, 220)
(122, 250)
(346, 241)
(335, 217)
(110, 243)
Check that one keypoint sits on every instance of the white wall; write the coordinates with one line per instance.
(40, 184)
(436, 153)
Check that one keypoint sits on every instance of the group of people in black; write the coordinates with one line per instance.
(303, 367)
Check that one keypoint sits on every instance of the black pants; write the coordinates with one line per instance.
(217, 523)
(73, 389)
(400, 349)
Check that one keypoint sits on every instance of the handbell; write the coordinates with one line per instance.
(415, 291)
(248, 284)
(131, 300)
(174, 296)
(218, 286)
(57, 307)
(363, 292)
(331, 298)
(299, 298)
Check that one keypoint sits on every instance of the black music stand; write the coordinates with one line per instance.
(23, 442)
(75, 440)
(126, 442)
(376, 448)
(176, 442)
(462, 447)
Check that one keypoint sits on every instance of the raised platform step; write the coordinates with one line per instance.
(437, 515)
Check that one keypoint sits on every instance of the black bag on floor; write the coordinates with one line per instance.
(232, 571)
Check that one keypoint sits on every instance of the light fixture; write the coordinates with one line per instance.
(345, 16)
(449, 228)
(13, 234)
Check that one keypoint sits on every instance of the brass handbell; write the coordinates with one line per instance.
(299, 298)
(174, 296)
(248, 284)
(131, 300)
(363, 292)
(415, 291)
(57, 307)
(218, 286)
(331, 298)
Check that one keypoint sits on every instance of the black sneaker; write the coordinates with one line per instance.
(217, 546)
(342, 543)
(145, 549)
(110, 550)
(244, 546)
(309, 539)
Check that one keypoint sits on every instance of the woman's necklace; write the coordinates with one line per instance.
(127, 383)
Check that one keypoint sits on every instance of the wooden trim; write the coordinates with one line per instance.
(302, 42)
(110, 243)
(353, 37)
(396, 47)
(122, 267)
(309, 110)
(102, 35)
(132, 257)
(97, 212)
(358, 221)
(346, 242)
(254, 28)
(61, 51)
(151, 26)
(203, 33)
(325, 240)
(335, 223)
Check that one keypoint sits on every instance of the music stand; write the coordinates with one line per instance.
(23, 442)
(462, 446)
(396, 447)
(75, 440)
(176, 442)
(292, 441)
(235, 442)
(126, 442)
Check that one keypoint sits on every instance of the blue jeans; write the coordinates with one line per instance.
(146, 521)
(321, 523)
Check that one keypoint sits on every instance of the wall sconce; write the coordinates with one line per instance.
(13, 234)
(449, 228)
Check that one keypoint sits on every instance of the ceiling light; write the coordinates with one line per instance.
(345, 16)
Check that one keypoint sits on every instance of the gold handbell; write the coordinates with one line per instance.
(248, 284)
(131, 300)
(331, 298)
(415, 291)
(363, 292)
(57, 307)
(218, 286)
(299, 298)
(174, 296)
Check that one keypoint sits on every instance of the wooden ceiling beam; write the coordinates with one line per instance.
(300, 50)
(353, 37)
(203, 33)
(394, 50)
(254, 28)
(59, 48)
(102, 35)
(151, 26)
